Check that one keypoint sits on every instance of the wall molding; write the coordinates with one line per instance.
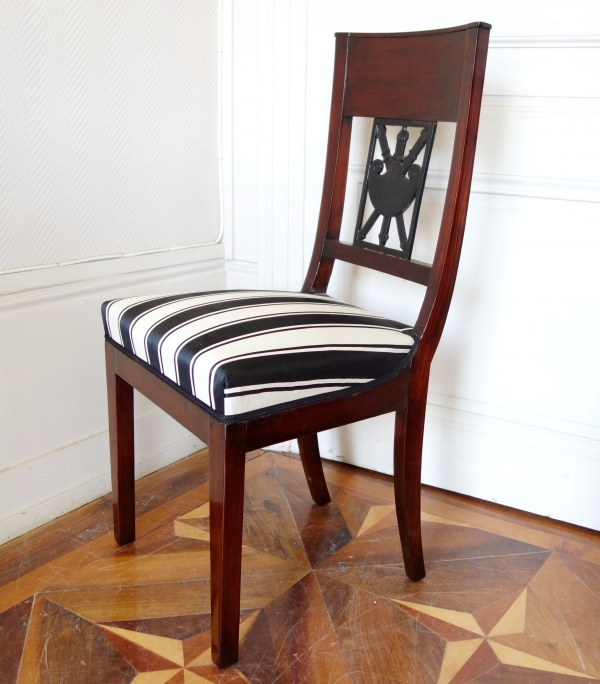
(563, 189)
(547, 433)
(280, 167)
(547, 42)
(539, 105)
(109, 257)
(544, 432)
(168, 277)
(31, 291)
(226, 122)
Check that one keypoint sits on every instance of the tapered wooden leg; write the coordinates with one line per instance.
(120, 429)
(313, 469)
(408, 448)
(226, 455)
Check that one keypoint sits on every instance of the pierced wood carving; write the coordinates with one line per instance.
(393, 184)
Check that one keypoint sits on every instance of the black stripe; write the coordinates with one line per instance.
(131, 313)
(292, 367)
(288, 388)
(265, 325)
(158, 331)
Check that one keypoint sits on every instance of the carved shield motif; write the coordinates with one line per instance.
(394, 183)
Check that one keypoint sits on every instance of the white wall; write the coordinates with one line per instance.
(514, 396)
(109, 186)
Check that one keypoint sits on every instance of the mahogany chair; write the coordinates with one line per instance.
(242, 370)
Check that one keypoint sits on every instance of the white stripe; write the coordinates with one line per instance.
(141, 328)
(117, 308)
(114, 311)
(142, 325)
(338, 337)
(173, 342)
(253, 402)
(297, 383)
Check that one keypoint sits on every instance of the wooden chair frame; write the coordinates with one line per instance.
(442, 75)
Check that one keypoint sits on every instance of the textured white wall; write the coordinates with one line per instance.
(513, 405)
(108, 128)
(109, 186)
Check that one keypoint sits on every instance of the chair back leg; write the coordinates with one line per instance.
(408, 450)
(226, 454)
(313, 469)
(121, 436)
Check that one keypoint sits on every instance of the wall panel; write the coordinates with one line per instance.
(513, 408)
(109, 186)
(108, 128)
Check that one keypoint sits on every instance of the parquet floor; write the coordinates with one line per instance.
(507, 599)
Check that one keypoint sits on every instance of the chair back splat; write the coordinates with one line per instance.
(245, 369)
(406, 79)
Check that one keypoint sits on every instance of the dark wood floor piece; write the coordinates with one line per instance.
(426, 76)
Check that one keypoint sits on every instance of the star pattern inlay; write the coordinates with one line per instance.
(324, 596)
(482, 652)
(173, 658)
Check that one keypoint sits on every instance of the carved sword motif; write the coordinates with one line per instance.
(393, 183)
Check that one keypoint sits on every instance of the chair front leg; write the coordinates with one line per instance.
(408, 450)
(226, 454)
(313, 469)
(121, 436)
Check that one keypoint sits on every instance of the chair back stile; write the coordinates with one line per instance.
(431, 76)
(336, 173)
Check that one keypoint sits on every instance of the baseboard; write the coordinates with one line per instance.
(490, 453)
(85, 464)
(534, 463)
(53, 418)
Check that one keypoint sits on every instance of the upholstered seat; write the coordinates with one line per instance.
(252, 353)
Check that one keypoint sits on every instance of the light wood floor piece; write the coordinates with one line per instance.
(507, 598)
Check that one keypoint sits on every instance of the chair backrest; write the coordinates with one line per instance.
(404, 79)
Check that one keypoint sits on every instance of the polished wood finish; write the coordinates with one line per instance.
(226, 450)
(408, 447)
(313, 468)
(413, 270)
(431, 75)
(410, 76)
(160, 392)
(509, 597)
(278, 427)
(120, 428)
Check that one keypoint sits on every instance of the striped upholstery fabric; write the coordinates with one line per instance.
(250, 353)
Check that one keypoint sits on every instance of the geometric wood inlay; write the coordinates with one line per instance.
(509, 656)
(375, 514)
(453, 617)
(456, 655)
(170, 649)
(324, 595)
(513, 621)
